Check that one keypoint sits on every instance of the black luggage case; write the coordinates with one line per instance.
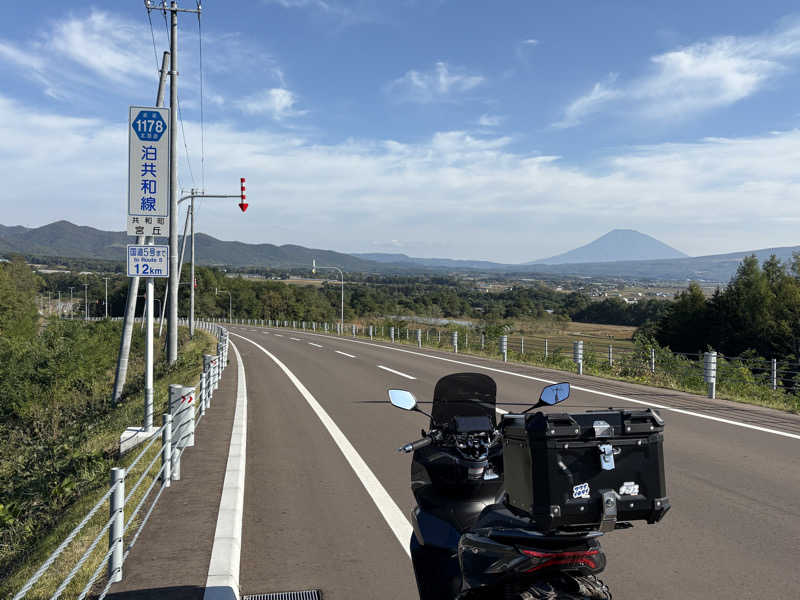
(585, 471)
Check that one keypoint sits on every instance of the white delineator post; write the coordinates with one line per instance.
(710, 372)
(577, 355)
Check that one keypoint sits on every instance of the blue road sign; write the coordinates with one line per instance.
(148, 261)
(149, 125)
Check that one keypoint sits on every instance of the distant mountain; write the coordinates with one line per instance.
(616, 245)
(446, 263)
(715, 268)
(65, 239)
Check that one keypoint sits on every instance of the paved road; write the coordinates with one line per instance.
(309, 521)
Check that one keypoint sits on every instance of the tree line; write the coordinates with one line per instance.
(757, 312)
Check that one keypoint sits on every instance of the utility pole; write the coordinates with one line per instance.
(172, 333)
(70, 301)
(133, 287)
(106, 278)
(314, 268)
(86, 300)
(192, 195)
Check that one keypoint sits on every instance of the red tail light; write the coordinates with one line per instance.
(543, 560)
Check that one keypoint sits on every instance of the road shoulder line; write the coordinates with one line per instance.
(222, 582)
(389, 510)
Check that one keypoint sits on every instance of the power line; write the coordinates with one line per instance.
(152, 35)
(180, 117)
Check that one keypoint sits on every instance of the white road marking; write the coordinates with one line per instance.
(396, 372)
(690, 413)
(345, 354)
(278, 335)
(391, 513)
(223, 568)
(315, 345)
(295, 339)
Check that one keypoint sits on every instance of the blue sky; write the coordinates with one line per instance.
(495, 130)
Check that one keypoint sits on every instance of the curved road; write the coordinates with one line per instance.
(327, 496)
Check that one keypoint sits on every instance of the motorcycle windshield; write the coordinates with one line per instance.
(464, 395)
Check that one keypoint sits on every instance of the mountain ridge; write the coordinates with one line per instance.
(67, 240)
(616, 245)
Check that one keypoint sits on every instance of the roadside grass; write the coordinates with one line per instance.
(27, 546)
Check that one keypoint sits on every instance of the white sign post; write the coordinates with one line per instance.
(148, 261)
(148, 171)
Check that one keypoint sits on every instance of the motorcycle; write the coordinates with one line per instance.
(468, 543)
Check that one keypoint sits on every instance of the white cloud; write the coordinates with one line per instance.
(277, 102)
(602, 93)
(696, 78)
(75, 57)
(487, 120)
(440, 83)
(708, 196)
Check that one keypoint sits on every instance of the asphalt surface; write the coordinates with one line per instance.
(309, 522)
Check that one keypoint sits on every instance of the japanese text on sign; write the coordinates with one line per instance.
(148, 261)
(148, 171)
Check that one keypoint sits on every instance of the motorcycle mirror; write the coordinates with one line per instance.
(403, 399)
(553, 394)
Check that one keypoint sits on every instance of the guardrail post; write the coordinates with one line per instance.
(545, 347)
(521, 345)
(207, 366)
(215, 366)
(166, 449)
(419, 338)
(504, 347)
(774, 374)
(610, 355)
(652, 361)
(455, 341)
(116, 511)
(391, 334)
(483, 342)
(577, 355)
(439, 336)
(353, 327)
(370, 332)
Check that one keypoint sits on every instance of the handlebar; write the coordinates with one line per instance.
(411, 446)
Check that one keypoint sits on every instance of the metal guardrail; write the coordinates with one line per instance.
(783, 375)
(176, 434)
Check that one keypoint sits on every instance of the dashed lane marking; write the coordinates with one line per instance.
(345, 354)
(315, 345)
(406, 375)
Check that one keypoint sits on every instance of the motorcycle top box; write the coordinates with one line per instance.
(584, 471)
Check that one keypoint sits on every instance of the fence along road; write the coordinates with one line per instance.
(310, 521)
